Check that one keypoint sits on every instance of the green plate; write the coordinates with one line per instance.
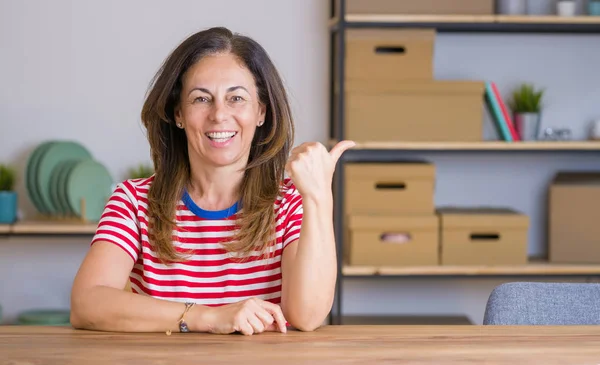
(45, 318)
(89, 180)
(55, 186)
(56, 153)
(31, 176)
(62, 186)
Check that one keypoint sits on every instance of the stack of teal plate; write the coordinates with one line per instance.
(63, 179)
(44, 317)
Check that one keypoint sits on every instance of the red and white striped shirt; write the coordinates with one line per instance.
(210, 276)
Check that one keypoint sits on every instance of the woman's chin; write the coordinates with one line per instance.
(223, 160)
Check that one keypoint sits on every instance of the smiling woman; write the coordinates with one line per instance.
(219, 239)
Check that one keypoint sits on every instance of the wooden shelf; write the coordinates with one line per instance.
(425, 18)
(480, 146)
(476, 23)
(48, 227)
(501, 19)
(533, 268)
(547, 19)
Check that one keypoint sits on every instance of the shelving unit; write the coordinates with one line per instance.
(479, 146)
(47, 227)
(473, 23)
(393, 150)
(535, 267)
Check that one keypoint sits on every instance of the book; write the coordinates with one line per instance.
(507, 118)
(496, 113)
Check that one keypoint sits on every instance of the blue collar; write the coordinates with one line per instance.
(208, 214)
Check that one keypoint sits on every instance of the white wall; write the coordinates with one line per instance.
(79, 69)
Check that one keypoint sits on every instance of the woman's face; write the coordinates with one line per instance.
(219, 110)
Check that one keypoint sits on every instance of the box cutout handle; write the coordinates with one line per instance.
(395, 237)
(390, 50)
(485, 236)
(391, 186)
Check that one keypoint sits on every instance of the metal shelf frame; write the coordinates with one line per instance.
(339, 22)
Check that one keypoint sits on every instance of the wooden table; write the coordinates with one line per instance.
(330, 344)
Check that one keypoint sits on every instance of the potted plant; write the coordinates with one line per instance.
(8, 196)
(526, 105)
(141, 171)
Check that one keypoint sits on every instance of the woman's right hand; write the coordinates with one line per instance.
(248, 317)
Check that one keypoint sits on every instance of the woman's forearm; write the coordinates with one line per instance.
(105, 308)
(309, 292)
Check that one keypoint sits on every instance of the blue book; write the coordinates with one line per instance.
(496, 113)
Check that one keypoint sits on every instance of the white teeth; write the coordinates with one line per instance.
(220, 135)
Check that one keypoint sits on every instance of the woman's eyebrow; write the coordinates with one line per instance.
(230, 89)
(234, 88)
(199, 89)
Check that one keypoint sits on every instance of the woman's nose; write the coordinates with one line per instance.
(219, 112)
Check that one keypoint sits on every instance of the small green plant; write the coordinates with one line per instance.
(7, 178)
(526, 99)
(141, 171)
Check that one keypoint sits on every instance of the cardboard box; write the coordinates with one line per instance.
(389, 54)
(438, 7)
(392, 240)
(574, 218)
(483, 236)
(389, 188)
(433, 111)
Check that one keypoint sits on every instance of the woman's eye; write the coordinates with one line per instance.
(236, 98)
(201, 99)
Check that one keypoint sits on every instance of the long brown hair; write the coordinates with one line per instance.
(268, 154)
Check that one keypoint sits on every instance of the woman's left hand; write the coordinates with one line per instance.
(311, 168)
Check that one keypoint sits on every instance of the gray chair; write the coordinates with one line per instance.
(524, 303)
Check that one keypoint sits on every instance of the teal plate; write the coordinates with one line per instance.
(55, 186)
(44, 318)
(62, 186)
(58, 152)
(31, 176)
(91, 181)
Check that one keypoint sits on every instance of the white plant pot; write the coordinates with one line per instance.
(566, 8)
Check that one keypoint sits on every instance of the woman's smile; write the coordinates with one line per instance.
(220, 139)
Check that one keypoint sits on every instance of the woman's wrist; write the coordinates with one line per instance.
(200, 318)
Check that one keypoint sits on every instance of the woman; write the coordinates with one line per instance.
(218, 239)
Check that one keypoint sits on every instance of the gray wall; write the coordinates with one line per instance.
(72, 69)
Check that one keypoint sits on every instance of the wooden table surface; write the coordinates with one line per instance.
(329, 344)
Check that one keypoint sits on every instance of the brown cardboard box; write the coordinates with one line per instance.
(440, 7)
(392, 240)
(431, 111)
(483, 236)
(389, 188)
(574, 218)
(389, 54)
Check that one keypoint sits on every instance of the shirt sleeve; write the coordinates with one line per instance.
(293, 218)
(119, 223)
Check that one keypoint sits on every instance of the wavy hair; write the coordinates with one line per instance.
(168, 145)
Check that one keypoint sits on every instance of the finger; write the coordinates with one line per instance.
(277, 314)
(265, 317)
(257, 325)
(246, 328)
(339, 148)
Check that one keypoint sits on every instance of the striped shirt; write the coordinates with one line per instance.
(210, 276)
